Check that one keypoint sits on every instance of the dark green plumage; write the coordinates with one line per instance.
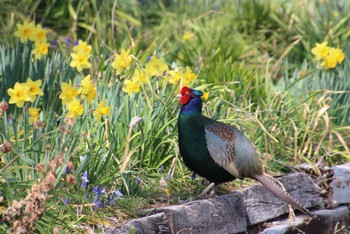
(193, 148)
(218, 151)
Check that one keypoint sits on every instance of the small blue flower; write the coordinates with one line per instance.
(104, 203)
(161, 168)
(86, 195)
(54, 42)
(84, 180)
(111, 201)
(68, 171)
(96, 201)
(203, 182)
(118, 193)
(79, 211)
(193, 176)
(68, 41)
(98, 189)
(108, 55)
(66, 201)
(75, 43)
(137, 180)
(149, 58)
(169, 177)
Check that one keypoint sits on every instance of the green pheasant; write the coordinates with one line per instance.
(220, 152)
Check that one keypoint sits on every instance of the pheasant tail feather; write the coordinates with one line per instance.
(273, 187)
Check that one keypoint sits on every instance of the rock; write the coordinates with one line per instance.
(153, 224)
(238, 212)
(222, 214)
(341, 184)
(262, 205)
(331, 221)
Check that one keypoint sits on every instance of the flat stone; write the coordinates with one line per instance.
(262, 205)
(238, 212)
(341, 183)
(153, 224)
(330, 221)
(222, 214)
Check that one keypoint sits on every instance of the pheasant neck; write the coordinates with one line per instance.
(193, 107)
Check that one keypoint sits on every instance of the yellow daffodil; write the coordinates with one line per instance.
(39, 34)
(335, 56)
(205, 96)
(338, 54)
(34, 89)
(131, 86)
(80, 61)
(188, 77)
(19, 94)
(80, 56)
(82, 48)
(320, 50)
(68, 94)
(101, 110)
(33, 114)
(174, 76)
(122, 61)
(156, 66)
(75, 108)
(91, 95)
(24, 31)
(85, 85)
(40, 49)
(140, 76)
(187, 36)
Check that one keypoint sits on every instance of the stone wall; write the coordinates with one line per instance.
(252, 210)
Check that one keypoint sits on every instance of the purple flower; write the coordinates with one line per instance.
(104, 203)
(118, 193)
(75, 43)
(149, 58)
(108, 55)
(79, 211)
(193, 176)
(161, 168)
(203, 182)
(54, 42)
(68, 41)
(84, 180)
(68, 171)
(96, 201)
(169, 177)
(86, 195)
(137, 180)
(98, 189)
(66, 201)
(111, 200)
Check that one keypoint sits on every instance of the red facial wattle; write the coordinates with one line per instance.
(186, 94)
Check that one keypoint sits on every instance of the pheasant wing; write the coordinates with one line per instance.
(220, 139)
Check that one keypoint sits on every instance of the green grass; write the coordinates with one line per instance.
(253, 57)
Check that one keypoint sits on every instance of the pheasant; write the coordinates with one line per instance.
(220, 152)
